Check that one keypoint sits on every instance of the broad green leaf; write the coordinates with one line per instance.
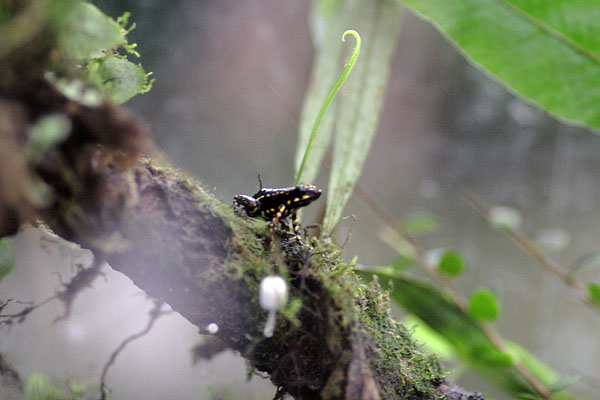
(7, 258)
(451, 264)
(359, 103)
(484, 306)
(594, 290)
(464, 333)
(547, 51)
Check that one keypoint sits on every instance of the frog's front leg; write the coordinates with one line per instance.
(246, 206)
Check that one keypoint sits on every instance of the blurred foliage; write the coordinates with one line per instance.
(92, 40)
(421, 224)
(455, 332)
(48, 132)
(549, 53)
(451, 264)
(594, 290)
(484, 306)
(39, 387)
(91, 48)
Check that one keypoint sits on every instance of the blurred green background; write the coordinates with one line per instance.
(230, 79)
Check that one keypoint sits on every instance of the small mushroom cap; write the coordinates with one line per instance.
(272, 293)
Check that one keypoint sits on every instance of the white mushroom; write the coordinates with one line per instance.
(272, 295)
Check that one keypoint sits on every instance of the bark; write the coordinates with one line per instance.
(334, 340)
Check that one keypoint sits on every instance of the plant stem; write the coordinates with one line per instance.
(529, 247)
(329, 99)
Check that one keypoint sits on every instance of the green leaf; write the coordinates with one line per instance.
(484, 306)
(88, 33)
(7, 258)
(546, 51)
(329, 99)
(451, 264)
(118, 79)
(594, 290)
(421, 224)
(359, 104)
(402, 264)
(491, 357)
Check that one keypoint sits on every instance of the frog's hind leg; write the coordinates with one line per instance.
(296, 226)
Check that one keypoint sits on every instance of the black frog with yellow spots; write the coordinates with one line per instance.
(275, 205)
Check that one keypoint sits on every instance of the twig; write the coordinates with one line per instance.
(529, 246)
(155, 313)
(8, 319)
(82, 279)
(352, 219)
